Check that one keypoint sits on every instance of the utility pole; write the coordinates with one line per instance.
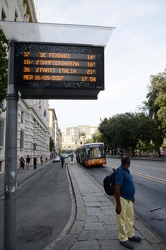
(10, 182)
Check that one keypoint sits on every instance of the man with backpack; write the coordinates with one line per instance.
(124, 198)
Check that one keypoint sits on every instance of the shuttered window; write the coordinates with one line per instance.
(21, 139)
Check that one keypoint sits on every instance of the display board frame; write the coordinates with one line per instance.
(55, 71)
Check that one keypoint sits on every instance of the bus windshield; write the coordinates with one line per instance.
(95, 152)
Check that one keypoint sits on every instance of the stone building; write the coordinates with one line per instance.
(54, 131)
(76, 136)
(33, 135)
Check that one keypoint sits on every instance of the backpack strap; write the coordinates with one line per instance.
(121, 170)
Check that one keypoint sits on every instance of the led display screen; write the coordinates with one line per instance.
(55, 66)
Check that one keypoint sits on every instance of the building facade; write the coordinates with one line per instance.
(54, 131)
(33, 135)
(76, 136)
(18, 10)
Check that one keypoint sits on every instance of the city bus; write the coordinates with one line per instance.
(91, 154)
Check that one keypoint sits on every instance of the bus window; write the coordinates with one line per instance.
(87, 151)
(95, 153)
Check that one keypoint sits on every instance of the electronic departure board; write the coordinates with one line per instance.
(54, 66)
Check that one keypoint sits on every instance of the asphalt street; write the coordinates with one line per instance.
(91, 220)
(43, 205)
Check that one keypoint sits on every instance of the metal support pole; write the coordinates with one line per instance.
(10, 182)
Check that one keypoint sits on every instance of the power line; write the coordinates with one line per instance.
(160, 58)
(153, 65)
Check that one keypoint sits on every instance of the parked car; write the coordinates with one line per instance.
(56, 159)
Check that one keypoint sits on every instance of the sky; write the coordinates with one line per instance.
(136, 50)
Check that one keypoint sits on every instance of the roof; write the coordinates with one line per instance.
(56, 33)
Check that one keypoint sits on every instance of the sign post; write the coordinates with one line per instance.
(10, 183)
(40, 67)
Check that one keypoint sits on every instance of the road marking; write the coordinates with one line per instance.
(158, 169)
(149, 177)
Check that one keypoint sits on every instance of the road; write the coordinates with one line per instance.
(39, 200)
(150, 181)
(47, 194)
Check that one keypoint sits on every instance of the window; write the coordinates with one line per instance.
(22, 117)
(1, 105)
(16, 16)
(2, 125)
(21, 139)
(3, 15)
(34, 146)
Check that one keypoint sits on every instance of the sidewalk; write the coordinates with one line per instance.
(23, 175)
(94, 225)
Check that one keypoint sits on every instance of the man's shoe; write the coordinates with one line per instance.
(135, 239)
(126, 244)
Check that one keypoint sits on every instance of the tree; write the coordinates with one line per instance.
(3, 66)
(97, 137)
(126, 131)
(52, 145)
(104, 131)
(155, 107)
(88, 141)
(159, 85)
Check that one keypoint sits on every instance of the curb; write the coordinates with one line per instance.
(75, 225)
(70, 239)
(60, 242)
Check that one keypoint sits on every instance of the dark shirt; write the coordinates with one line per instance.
(62, 159)
(35, 161)
(125, 180)
(22, 163)
(28, 159)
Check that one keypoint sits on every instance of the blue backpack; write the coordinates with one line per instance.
(109, 182)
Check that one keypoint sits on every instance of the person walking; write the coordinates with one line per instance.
(22, 164)
(28, 161)
(124, 199)
(41, 160)
(62, 160)
(34, 162)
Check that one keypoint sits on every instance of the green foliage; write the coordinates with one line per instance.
(97, 137)
(159, 85)
(143, 130)
(125, 130)
(52, 145)
(156, 108)
(88, 141)
(3, 66)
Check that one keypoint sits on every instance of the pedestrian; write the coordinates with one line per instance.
(124, 199)
(41, 160)
(72, 156)
(34, 162)
(46, 158)
(28, 161)
(22, 163)
(62, 160)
